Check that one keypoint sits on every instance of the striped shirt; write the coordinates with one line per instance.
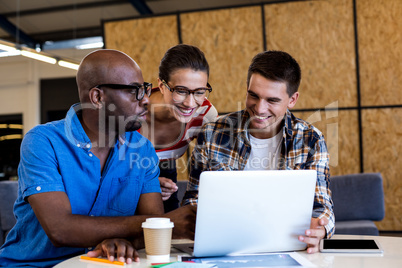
(224, 145)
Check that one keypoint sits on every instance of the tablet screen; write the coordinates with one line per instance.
(350, 244)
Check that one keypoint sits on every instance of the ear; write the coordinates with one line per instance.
(96, 96)
(293, 100)
(161, 86)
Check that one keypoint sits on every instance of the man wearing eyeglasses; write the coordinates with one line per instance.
(90, 177)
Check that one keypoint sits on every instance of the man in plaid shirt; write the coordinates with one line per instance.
(266, 135)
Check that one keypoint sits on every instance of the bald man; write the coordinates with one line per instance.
(90, 177)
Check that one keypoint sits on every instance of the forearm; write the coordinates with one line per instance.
(319, 213)
(64, 228)
(197, 165)
(330, 227)
(323, 206)
(86, 231)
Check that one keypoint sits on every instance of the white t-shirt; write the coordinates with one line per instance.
(264, 153)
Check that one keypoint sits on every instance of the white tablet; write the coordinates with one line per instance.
(350, 246)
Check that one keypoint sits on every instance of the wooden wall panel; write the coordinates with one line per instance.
(340, 130)
(380, 51)
(382, 141)
(183, 162)
(182, 167)
(230, 38)
(145, 40)
(320, 36)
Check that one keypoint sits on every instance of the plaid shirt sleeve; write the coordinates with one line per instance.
(198, 163)
(323, 206)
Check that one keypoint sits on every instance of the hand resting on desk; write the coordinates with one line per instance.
(118, 248)
(124, 251)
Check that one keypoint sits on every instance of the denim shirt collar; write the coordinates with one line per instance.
(76, 133)
(74, 130)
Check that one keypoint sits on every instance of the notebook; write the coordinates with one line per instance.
(241, 212)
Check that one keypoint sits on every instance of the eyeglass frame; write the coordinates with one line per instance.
(189, 91)
(136, 87)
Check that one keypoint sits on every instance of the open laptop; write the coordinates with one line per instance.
(242, 212)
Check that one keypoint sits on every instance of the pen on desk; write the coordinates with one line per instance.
(158, 265)
(102, 260)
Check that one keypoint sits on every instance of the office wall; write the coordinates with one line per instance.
(20, 87)
(20, 83)
(350, 55)
(18, 90)
(380, 61)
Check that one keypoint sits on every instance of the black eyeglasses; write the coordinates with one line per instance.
(181, 93)
(140, 90)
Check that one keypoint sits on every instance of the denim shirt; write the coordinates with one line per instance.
(57, 157)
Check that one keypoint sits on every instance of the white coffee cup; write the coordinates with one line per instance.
(158, 237)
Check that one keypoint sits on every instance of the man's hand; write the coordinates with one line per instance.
(122, 249)
(184, 222)
(168, 187)
(314, 234)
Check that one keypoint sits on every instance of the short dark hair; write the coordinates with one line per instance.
(277, 66)
(181, 57)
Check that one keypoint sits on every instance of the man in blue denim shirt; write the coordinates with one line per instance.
(82, 179)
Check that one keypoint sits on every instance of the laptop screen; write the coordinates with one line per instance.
(253, 211)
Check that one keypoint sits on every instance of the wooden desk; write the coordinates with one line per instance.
(392, 257)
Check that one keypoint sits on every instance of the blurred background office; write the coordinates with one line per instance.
(350, 52)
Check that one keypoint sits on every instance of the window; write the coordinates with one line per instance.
(10, 142)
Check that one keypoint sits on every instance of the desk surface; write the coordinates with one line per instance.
(392, 257)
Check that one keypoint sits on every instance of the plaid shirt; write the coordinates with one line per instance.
(224, 145)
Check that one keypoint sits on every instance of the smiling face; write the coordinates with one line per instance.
(267, 102)
(190, 79)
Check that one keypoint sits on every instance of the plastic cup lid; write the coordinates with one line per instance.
(157, 223)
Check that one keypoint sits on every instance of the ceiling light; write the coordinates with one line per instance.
(13, 126)
(67, 64)
(37, 56)
(7, 47)
(89, 46)
(10, 53)
(78, 43)
(11, 137)
(12, 49)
